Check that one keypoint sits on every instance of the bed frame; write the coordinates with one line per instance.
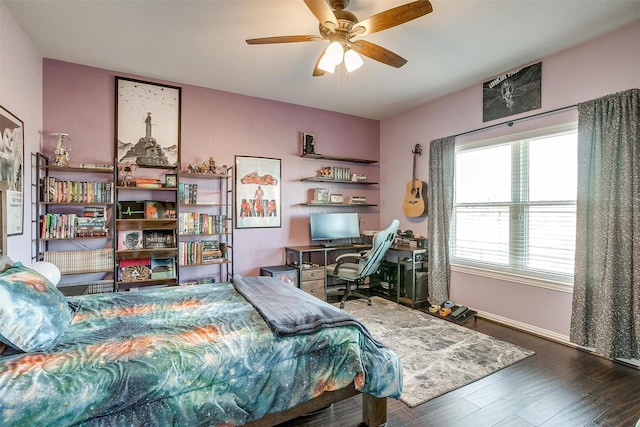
(374, 409)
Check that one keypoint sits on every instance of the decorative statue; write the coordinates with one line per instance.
(61, 155)
(127, 170)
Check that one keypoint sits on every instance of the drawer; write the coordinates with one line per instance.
(312, 274)
(314, 287)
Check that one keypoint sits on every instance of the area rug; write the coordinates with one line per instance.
(437, 356)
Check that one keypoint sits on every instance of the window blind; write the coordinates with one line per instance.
(515, 206)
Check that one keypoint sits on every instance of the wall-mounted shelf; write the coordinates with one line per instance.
(338, 175)
(337, 158)
(142, 188)
(337, 205)
(337, 181)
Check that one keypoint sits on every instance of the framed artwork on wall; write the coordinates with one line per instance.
(12, 169)
(147, 123)
(257, 192)
(512, 93)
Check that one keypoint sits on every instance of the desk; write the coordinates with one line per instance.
(410, 290)
(410, 287)
(311, 261)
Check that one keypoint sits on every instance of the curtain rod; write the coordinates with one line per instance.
(511, 122)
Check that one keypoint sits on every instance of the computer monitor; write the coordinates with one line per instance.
(328, 228)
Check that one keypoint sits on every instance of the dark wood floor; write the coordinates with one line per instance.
(558, 386)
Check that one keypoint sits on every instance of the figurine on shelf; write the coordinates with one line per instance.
(308, 144)
(204, 168)
(61, 155)
(127, 170)
(326, 172)
(212, 165)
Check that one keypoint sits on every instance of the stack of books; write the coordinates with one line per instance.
(148, 183)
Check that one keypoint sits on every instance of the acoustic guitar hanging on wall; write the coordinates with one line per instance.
(414, 204)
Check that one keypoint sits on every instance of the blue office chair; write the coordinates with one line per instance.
(354, 268)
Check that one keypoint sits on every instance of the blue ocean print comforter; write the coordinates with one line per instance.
(197, 356)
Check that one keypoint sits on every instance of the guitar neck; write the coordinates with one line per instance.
(413, 174)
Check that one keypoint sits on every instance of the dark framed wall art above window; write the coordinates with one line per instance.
(147, 123)
(512, 93)
(515, 204)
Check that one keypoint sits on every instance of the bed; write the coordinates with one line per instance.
(224, 354)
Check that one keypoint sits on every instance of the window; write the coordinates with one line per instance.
(515, 206)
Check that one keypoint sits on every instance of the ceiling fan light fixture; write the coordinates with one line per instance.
(334, 53)
(326, 65)
(352, 60)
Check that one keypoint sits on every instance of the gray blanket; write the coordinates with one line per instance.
(289, 311)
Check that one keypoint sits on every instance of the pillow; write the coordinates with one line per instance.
(5, 263)
(33, 312)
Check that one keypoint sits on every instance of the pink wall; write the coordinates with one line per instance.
(21, 93)
(79, 100)
(605, 65)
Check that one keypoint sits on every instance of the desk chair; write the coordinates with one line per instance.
(354, 268)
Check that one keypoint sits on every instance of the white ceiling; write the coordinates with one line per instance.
(202, 43)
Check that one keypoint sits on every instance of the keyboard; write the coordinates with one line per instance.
(336, 245)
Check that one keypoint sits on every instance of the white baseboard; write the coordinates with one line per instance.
(533, 330)
(544, 333)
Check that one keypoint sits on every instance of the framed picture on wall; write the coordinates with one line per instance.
(512, 93)
(257, 192)
(12, 169)
(147, 123)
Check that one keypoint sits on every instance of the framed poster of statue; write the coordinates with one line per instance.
(147, 123)
(12, 169)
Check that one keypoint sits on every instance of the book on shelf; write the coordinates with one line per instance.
(188, 193)
(148, 183)
(90, 227)
(196, 253)
(134, 270)
(128, 209)
(198, 281)
(210, 252)
(70, 225)
(94, 212)
(202, 223)
(58, 226)
(159, 210)
(130, 240)
(66, 191)
(163, 268)
(158, 239)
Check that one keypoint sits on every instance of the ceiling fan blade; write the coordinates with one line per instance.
(284, 39)
(317, 72)
(392, 17)
(323, 12)
(378, 53)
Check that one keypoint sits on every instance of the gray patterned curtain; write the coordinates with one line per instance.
(606, 298)
(441, 184)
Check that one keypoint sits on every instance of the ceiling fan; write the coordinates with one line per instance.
(340, 27)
